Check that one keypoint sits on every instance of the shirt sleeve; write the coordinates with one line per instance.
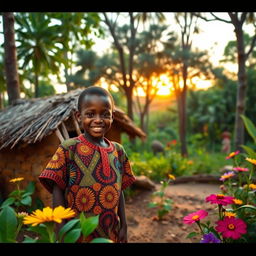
(128, 176)
(55, 172)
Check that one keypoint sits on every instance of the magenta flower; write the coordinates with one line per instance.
(219, 199)
(232, 154)
(231, 227)
(227, 175)
(195, 216)
(240, 169)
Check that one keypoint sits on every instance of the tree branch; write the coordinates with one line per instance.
(217, 18)
(251, 47)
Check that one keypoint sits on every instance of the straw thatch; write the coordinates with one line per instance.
(29, 121)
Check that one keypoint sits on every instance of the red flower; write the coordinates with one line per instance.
(231, 227)
(220, 199)
(195, 216)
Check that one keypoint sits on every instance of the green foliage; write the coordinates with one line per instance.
(161, 202)
(20, 198)
(8, 225)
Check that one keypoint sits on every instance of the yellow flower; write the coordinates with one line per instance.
(252, 186)
(237, 201)
(48, 214)
(253, 161)
(172, 177)
(190, 162)
(16, 180)
(229, 214)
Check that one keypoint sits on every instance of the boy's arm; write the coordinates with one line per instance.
(123, 225)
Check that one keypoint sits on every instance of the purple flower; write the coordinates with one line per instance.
(209, 238)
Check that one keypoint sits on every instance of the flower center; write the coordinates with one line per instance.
(55, 157)
(220, 196)
(195, 217)
(84, 200)
(231, 226)
(109, 197)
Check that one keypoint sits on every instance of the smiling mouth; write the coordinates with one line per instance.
(97, 128)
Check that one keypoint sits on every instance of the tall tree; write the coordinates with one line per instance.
(10, 59)
(148, 69)
(238, 20)
(125, 42)
(184, 63)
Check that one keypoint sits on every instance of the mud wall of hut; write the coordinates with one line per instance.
(27, 162)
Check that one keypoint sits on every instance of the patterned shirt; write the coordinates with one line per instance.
(92, 178)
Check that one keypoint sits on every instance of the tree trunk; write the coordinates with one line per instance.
(241, 89)
(1, 101)
(66, 73)
(128, 93)
(183, 113)
(10, 58)
(36, 85)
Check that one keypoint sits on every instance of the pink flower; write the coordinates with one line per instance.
(231, 227)
(219, 199)
(195, 216)
(240, 169)
(232, 154)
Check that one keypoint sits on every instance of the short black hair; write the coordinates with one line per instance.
(94, 90)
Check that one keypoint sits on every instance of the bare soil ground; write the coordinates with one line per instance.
(187, 198)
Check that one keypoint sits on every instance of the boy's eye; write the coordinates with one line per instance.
(89, 115)
(106, 115)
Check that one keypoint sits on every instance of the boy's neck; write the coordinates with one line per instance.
(96, 141)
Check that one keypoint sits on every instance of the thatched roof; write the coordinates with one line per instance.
(29, 121)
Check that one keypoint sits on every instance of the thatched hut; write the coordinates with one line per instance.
(31, 130)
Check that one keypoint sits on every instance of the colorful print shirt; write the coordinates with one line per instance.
(92, 178)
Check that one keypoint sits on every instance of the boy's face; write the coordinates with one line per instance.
(96, 115)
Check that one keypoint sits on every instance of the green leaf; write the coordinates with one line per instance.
(192, 234)
(249, 151)
(246, 206)
(7, 202)
(26, 201)
(29, 240)
(8, 225)
(72, 236)
(89, 225)
(152, 204)
(69, 225)
(30, 188)
(16, 193)
(167, 207)
(101, 240)
(250, 127)
(41, 230)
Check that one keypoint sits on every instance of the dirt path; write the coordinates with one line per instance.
(187, 198)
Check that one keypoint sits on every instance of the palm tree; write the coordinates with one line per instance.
(10, 59)
(38, 49)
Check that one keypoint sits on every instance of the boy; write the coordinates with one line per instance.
(88, 173)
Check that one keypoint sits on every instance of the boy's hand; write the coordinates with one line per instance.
(122, 235)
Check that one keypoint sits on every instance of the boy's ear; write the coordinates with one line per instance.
(78, 116)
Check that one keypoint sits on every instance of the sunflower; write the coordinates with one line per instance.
(48, 215)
